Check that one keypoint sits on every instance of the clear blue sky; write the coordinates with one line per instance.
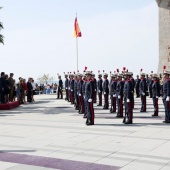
(116, 33)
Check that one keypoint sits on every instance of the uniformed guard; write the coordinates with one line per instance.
(80, 94)
(143, 89)
(150, 81)
(100, 89)
(155, 93)
(76, 101)
(89, 99)
(133, 85)
(72, 88)
(137, 82)
(119, 95)
(83, 91)
(166, 96)
(69, 90)
(60, 88)
(66, 87)
(95, 87)
(128, 97)
(106, 91)
(113, 85)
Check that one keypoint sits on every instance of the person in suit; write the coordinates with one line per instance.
(100, 89)
(11, 87)
(30, 89)
(6, 88)
(143, 89)
(106, 91)
(155, 93)
(2, 88)
(60, 88)
(113, 84)
(128, 99)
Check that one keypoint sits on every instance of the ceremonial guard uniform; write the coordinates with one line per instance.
(155, 93)
(84, 95)
(95, 87)
(76, 101)
(66, 87)
(106, 91)
(100, 89)
(128, 99)
(69, 92)
(133, 87)
(60, 88)
(80, 94)
(113, 85)
(143, 89)
(72, 89)
(89, 99)
(150, 81)
(137, 82)
(166, 96)
(119, 95)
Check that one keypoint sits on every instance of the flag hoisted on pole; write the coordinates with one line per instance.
(77, 33)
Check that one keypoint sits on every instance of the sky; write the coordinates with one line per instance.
(115, 34)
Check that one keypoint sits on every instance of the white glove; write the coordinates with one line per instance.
(79, 94)
(66, 88)
(114, 95)
(94, 89)
(99, 91)
(90, 100)
(167, 98)
(143, 93)
(157, 97)
(104, 92)
(71, 89)
(119, 97)
(128, 100)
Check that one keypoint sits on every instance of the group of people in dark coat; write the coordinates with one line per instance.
(10, 90)
(7, 88)
(82, 89)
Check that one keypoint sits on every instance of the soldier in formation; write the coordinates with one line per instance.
(122, 88)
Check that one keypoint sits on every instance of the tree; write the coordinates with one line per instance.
(1, 36)
(44, 79)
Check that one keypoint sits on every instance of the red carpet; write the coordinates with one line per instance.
(9, 106)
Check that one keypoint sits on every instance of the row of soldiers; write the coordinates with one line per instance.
(82, 89)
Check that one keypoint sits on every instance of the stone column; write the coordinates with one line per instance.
(164, 34)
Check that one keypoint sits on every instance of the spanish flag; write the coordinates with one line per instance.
(77, 32)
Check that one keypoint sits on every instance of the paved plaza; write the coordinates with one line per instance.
(49, 134)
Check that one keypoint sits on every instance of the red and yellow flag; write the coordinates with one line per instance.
(77, 32)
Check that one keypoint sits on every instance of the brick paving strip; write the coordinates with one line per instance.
(52, 162)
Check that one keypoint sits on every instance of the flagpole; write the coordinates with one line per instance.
(77, 53)
(77, 48)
